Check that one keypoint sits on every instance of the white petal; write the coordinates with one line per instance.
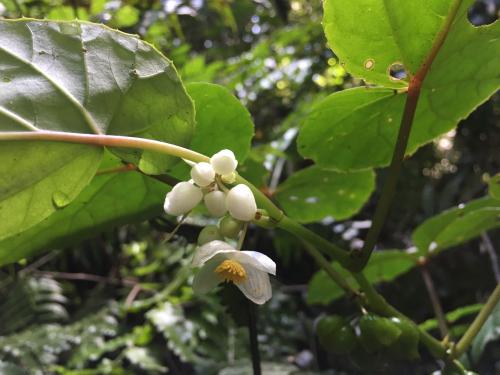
(216, 203)
(206, 279)
(240, 203)
(209, 250)
(224, 162)
(255, 259)
(256, 287)
(203, 174)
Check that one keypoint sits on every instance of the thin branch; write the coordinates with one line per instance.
(362, 256)
(134, 292)
(39, 262)
(436, 304)
(477, 324)
(254, 342)
(490, 249)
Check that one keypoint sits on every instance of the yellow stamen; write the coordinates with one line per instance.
(231, 270)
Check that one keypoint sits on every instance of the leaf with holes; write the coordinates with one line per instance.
(384, 265)
(111, 199)
(81, 78)
(456, 226)
(314, 193)
(357, 129)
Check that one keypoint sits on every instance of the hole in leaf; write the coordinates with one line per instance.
(369, 64)
(397, 71)
(483, 12)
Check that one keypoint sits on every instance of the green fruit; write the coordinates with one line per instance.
(209, 233)
(406, 346)
(230, 227)
(336, 335)
(377, 332)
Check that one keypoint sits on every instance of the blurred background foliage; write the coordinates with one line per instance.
(121, 303)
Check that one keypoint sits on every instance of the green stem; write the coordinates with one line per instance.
(106, 140)
(476, 325)
(360, 258)
(330, 271)
(318, 242)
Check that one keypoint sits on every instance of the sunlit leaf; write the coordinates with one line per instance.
(83, 78)
(456, 225)
(111, 199)
(356, 129)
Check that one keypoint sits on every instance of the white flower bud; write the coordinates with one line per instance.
(202, 174)
(224, 162)
(216, 203)
(240, 203)
(182, 198)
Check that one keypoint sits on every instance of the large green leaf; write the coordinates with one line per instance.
(314, 193)
(221, 122)
(84, 78)
(38, 178)
(356, 129)
(110, 200)
(456, 225)
(384, 265)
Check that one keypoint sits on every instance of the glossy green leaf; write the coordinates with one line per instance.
(110, 200)
(456, 226)
(221, 121)
(84, 78)
(384, 265)
(314, 193)
(356, 129)
(38, 178)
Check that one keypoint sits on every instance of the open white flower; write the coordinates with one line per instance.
(248, 270)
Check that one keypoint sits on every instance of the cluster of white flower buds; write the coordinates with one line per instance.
(205, 185)
(218, 261)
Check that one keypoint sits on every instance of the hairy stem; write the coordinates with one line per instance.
(476, 325)
(360, 258)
